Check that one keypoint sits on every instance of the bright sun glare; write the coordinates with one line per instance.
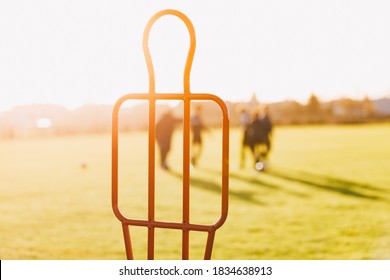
(43, 123)
(77, 53)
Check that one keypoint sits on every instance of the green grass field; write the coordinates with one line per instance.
(326, 195)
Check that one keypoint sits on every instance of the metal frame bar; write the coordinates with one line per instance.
(186, 226)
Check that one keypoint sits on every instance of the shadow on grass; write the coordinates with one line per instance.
(257, 182)
(332, 184)
(211, 186)
(338, 185)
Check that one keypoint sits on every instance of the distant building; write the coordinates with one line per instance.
(382, 106)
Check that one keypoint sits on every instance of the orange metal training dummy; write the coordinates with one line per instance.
(186, 96)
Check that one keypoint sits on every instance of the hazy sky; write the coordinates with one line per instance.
(74, 52)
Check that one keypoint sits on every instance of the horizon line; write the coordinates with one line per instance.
(79, 106)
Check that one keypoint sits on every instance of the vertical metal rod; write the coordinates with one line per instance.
(114, 161)
(186, 178)
(225, 167)
(151, 173)
(126, 236)
(209, 245)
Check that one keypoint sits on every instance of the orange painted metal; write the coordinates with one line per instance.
(186, 96)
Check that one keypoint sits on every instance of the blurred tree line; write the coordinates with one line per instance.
(49, 120)
(344, 110)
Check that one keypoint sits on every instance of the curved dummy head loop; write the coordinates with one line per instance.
(190, 55)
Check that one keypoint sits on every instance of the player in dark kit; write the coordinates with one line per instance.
(259, 133)
(164, 131)
(197, 127)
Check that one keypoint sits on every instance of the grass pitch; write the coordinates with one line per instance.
(326, 195)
